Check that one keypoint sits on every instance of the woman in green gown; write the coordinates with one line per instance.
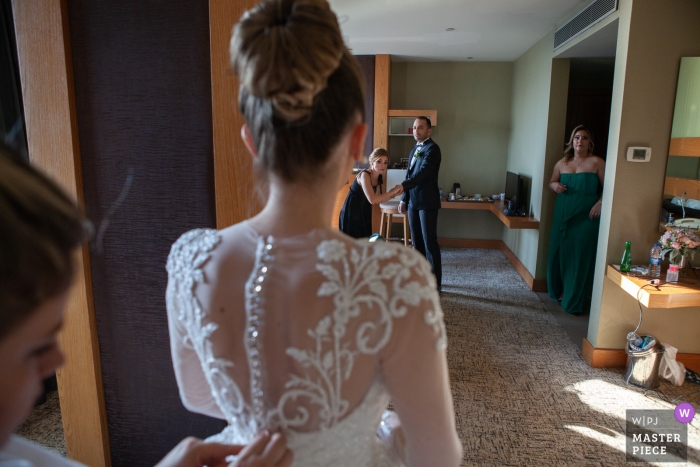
(578, 180)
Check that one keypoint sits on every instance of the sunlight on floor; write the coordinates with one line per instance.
(605, 398)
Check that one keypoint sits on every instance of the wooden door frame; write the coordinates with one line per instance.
(46, 75)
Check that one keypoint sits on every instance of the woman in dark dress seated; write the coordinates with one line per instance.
(366, 190)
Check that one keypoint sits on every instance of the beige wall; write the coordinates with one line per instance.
(537, 121)
(653, 36)
(473, 101)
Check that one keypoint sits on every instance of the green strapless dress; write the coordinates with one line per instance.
(573, 242)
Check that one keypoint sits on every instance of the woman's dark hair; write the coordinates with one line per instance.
(40, 229)
(569, 151)
(300, 87)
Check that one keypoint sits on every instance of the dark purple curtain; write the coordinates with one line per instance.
(143, 98)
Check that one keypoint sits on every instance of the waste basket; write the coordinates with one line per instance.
(643, 366)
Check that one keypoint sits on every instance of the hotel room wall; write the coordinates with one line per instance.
(528, 142)
(653, 36)
(540, 101)
(473, 101)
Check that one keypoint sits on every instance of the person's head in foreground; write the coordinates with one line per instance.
(301, 90)
(40, 229)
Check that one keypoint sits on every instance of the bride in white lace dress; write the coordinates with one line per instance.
(283, 323)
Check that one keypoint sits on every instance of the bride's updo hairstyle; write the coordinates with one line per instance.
(300, 87)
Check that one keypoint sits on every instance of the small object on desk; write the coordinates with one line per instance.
(477, 196)
(451, 197)
(626, 261)
(635, 270)
(510, 209)
(672, 273)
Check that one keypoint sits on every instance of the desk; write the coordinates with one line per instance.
(497, 207)
(668, 296)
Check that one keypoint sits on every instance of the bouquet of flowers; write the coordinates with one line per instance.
(679, 243)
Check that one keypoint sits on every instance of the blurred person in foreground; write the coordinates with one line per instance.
(40, 229)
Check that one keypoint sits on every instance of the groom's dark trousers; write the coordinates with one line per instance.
(422, 197)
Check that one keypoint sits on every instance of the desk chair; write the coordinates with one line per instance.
(390, 214)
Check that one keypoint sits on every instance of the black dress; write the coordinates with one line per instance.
(356, 215)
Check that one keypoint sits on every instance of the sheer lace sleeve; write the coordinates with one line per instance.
(415, 372)
(195, 392)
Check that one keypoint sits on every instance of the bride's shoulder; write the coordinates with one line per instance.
(186, 250)
(392, 258)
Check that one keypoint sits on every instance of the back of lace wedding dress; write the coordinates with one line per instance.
(311, 335)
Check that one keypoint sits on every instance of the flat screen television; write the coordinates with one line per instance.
(514, 189)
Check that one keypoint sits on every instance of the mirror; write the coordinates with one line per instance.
(683, 166)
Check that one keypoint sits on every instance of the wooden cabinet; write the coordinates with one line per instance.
(400, 121)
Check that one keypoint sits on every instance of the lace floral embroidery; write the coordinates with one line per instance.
(184, 267)
(356, 281)
(373, 283)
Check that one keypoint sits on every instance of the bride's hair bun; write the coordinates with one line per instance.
(285, 50)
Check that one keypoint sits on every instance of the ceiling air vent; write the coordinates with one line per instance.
(589, 16)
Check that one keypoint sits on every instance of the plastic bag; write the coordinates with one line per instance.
(669, 368)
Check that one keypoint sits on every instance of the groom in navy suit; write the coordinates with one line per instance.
(421, 195)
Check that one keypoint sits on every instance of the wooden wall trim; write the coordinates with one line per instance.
(238, 196)
(43, 49)
(469, 243)
(603, 358)
(431, 114)
(382, 86)
(536, 285)
(382, 80)
(684, 147)
(617, 358)
(682, 187)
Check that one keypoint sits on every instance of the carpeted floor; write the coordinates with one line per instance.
(44, 425)
(523, 394)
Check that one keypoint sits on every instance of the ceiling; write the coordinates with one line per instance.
(416, 30)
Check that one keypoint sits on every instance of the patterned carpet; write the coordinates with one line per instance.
(523, 394)
(44, 425)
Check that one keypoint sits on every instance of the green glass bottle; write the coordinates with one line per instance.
(626, 261)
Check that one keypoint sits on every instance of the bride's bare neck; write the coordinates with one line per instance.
(296, 208)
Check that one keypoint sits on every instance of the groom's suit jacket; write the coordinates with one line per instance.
(421, 189)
